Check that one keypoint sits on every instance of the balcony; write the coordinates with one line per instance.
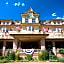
(55, 35)
(25, 32)
(3, 36)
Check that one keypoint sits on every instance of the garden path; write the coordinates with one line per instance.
(35, 63)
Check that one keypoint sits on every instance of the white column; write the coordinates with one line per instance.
(15, 41)
(54, 48)
(42, 44)
(4, 47)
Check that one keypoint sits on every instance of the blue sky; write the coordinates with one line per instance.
(48, 9)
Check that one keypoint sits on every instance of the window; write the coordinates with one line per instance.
(4, 22)
(26, 20)
(26, 28)
(18, 22)
(2, 36)
(33, 20)
(29, 28)
(39, 29)
(30, 14)
(7, 22)
(42, 22)
(54, 29)
(58, 22)
(4, 30)
(10, 29)
(54, 22)
(32, 28)
(58, 29)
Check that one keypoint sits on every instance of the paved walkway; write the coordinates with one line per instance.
(35, 63)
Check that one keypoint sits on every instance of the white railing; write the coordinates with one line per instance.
(10, 50)
(37, 50)
(24, 32)
(55, 35)
(21, 50)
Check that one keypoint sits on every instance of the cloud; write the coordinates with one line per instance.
(60, 18)
(19, 4)
(15, 4)
(54, 14)
(6, 3)
(63, 18)
(23, 4)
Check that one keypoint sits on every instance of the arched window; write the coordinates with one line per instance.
(58, 22)
(3, 22)
(7, 22)
(54, 22)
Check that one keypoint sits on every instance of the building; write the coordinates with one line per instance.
(30, 33)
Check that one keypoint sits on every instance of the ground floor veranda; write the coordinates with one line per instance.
(37, 42)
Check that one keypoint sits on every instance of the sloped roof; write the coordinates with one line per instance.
(30, 10)
(56, 20)
(7, 20)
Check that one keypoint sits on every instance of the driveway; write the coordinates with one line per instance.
(35, 63)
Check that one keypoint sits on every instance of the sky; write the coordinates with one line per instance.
(48, 9)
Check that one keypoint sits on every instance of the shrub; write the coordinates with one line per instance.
(11, 60)
(8, 52)
(3, 57)
(28, 57)
(43, 55)
(34, 59)
(53, 60)
(39, 56)
(23, 59)
(3, 61)
(53, 57)
(17, 56)
(12, 56)
(61, 59)
(61, 50)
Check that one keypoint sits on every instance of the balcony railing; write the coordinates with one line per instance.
(25, 32)
(21, 50)
(55, 35)
(35, 50)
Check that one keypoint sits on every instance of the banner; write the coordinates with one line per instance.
(28, 51)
